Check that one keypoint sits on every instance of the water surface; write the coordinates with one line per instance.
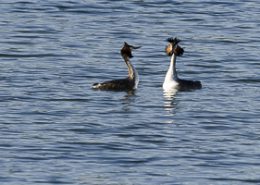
(55, 130)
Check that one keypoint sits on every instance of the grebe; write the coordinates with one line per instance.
(171, 80)
(127, 84)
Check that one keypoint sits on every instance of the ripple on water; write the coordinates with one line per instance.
(54, 129)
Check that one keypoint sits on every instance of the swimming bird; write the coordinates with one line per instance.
(172, 81)
(127, 84)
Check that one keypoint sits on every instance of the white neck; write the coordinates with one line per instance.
(171, 75)
(136, 78)
(132, 73)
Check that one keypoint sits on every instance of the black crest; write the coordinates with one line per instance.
(127, 49)
(173, 41)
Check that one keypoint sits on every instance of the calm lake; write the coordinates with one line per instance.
(54, 129)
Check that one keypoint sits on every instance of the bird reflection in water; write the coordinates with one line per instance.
(127, 100)
(169, 100)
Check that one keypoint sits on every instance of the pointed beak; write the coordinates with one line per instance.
(135, 47)
(132, 47)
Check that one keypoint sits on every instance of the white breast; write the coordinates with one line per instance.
(136, 79)
(170, 84)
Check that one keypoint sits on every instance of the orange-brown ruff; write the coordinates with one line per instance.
(171, 79)
(126, 84)
(177, 50)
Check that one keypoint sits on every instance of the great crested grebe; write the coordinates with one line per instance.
(171, 80)
(126, 84)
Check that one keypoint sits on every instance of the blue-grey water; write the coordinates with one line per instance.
(54, 129)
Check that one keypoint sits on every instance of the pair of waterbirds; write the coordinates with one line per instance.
(171, 81)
